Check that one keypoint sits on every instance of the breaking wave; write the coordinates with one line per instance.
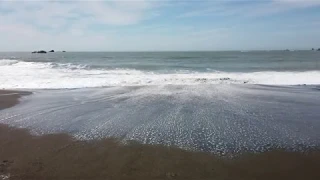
(40, 75)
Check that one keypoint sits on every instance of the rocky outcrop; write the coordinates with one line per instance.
(63, 51)
(51, 51)
(41, 52)
(318, 49)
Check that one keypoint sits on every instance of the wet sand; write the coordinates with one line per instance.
(10, 98)
(59, 156)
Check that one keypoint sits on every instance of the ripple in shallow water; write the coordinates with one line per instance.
(219, 119)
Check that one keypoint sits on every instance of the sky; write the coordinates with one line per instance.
(159, 25)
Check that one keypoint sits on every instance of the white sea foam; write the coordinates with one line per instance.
(33, 75)
(4, 62)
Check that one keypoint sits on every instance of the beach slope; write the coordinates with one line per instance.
(59, 156)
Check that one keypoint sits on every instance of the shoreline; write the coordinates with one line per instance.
(59, 156)
(9, 98)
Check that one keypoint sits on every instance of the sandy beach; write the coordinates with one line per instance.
(59, 156)
(160, 90)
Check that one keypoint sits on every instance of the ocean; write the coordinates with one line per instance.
(100, 69)
(219, 102)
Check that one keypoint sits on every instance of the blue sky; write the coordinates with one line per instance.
(151, 25)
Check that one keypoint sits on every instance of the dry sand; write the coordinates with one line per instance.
(59, 156)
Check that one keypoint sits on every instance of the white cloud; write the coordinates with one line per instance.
(32, 25)
(253, 9)
(54, 14)
(68, 26)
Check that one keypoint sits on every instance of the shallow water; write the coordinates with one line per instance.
(212, 118)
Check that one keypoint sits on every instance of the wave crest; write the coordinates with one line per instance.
(34, 75)
(8, 62)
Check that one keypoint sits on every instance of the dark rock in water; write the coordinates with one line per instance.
(63, 51)
(312, 49)
(318, 49)
(224, 79)
(287, 50)
(41, 51)
(51, 51)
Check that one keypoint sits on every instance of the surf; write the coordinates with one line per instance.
(19, 74)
